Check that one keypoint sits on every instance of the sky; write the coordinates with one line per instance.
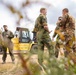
(53, 12)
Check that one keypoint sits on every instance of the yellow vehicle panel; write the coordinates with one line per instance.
(20, 46)
(24, 46)
(16, 47)
(15, 40)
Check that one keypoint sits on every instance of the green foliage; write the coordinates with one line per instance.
(52, 66)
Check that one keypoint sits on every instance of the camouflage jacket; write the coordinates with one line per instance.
(69, 26)
(40, 22)
(69, 23)
(8, 33)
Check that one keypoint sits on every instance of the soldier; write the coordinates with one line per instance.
(69, 29)
(17, 33)
(7, 36)
(43, 38)
(59, 41)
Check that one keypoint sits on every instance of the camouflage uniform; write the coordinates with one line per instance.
(59, 41)
(43, 38)
(69, 31)
(8, 43)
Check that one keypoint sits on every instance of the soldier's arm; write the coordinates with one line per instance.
(44, 24)
(36, 25)
(54, 35)
(11, 35)
(55, 32)
(3, 34)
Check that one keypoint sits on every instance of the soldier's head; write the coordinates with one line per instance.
(60, 18)
(17, 29)
(43, 11)
(65, 11)
(5, 27)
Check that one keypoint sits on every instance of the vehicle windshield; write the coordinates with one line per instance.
(25, 36)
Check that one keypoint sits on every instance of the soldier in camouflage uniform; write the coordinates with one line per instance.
(59, 41)
(69, 29)
(7, 36)
(43, 38)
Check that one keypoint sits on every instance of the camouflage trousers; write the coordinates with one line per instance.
(41, 43)
(69, 41)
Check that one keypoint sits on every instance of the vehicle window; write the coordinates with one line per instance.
(25, 37)
(25, 34)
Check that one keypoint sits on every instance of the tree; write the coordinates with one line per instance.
(21, 12)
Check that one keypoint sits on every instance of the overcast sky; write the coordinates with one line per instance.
(53, 12)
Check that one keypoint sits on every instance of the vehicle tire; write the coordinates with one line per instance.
(34, 49)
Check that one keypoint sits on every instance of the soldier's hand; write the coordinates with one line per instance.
(46, 28)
